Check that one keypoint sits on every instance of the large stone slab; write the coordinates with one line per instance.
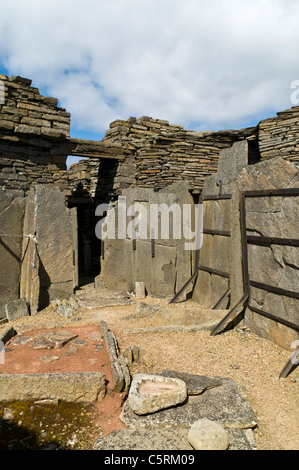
(11, 220)
(166, 439)
(47, 271)
(150, 393)
(16, 309)
(70, 387)
(170, 316)
(276, 265)
(168, 268)
(222, 404)
(120, 373)
(196, 384)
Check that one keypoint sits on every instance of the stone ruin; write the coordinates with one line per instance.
(245, 180)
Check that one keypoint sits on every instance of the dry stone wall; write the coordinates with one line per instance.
(35, 142)
(166, 153)
(32, 128)
(278, 136)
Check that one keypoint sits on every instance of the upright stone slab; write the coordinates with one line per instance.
(11, 220)
(221, 252)
(164, 264)
(16, 309)
(49, 224)
(275, 265)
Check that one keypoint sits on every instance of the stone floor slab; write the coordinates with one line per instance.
(222, 404)
(164, 440)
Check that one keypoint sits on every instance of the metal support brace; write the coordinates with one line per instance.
(246, 286)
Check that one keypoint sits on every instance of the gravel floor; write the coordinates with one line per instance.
(253, 362)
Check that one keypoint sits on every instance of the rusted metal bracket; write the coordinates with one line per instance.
(196, 270)
(182, 290)
(272, 192)
(214, 271)
(287, 369)
(225, 295)
(275, 290)
(210, 232)
(258, 240)
(246, 286)
(211, 197)
(153, 251)
(223, 233)
(274, 317)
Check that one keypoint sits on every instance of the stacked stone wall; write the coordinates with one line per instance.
(166, 153)
(278, 136)
(32, 128)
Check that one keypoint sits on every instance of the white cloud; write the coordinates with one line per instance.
(203, 64)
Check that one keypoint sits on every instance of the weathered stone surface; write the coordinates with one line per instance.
(16, 309)
(8, 334)
(275, 265)
(158, 439)
(42, 343)
(67, 309)
(145, 439)
(60, 338)
(167, 260)
(150, 393)
(140, 291)
(205, 434)
(196, 384)
(96, 298)
(231, 162)
(136, 354)
(120, 372)
(49, 358)
(11, 219)
(182, 316)
(70, 387)
(144, 310)
(54, 245)
(222, 404)
(20, 340)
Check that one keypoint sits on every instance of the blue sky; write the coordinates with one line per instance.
(203, 64)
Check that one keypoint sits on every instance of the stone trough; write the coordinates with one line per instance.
(206, 413)
(150, 393)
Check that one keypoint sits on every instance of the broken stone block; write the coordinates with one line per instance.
(67, 309)
(21, 340)
(49, 358)
(16, 309)
(175, 438)
(136, 354)
(196, 384)
(205, 434)
(42, 343)
(140, 290)
(151, 393)
(60, 338)
(144, 310)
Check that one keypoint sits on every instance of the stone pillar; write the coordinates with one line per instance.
(48, 267)
(11, 220)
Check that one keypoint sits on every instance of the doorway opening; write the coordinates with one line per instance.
(89, 246)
